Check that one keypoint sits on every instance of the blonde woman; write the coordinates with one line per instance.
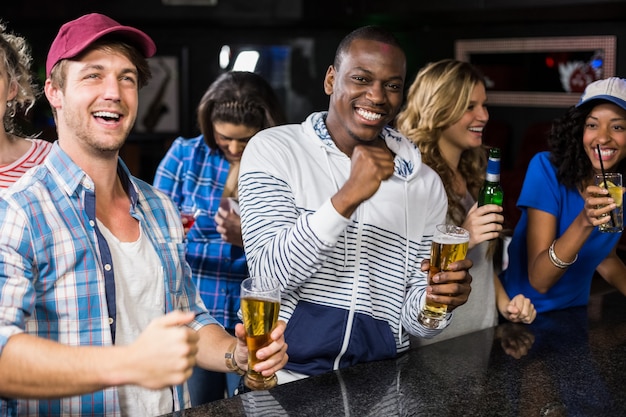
(17, 93)
(445, 114)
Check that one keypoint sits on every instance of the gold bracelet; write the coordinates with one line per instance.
(231, 362)
(556, 261)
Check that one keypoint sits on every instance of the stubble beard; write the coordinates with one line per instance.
(104, 144)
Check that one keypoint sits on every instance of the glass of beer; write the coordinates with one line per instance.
(260, 303)
(449, 245)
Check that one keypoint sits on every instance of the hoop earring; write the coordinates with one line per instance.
(12, 108)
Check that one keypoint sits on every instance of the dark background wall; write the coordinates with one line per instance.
(428, 30)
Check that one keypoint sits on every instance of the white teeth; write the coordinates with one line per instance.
(107, 114)
(368, 114)
(476, 129)
(605, 152)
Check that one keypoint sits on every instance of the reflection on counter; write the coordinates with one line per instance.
(567, 363)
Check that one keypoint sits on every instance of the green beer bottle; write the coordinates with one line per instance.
(491, 190)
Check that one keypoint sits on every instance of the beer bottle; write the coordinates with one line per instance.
(491, 190)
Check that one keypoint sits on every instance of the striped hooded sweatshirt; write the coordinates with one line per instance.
(351, 288)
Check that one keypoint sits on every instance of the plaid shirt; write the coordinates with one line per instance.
(56, 274)
(193, 175)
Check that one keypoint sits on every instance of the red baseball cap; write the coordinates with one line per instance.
(75, 36)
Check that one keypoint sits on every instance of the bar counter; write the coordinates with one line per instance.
(567, 363)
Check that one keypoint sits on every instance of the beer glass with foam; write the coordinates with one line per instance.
(260, 303)
(449, 245)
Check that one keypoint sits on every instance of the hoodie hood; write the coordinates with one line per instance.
(407, 156)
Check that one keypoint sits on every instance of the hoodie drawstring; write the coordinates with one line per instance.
(330, 173)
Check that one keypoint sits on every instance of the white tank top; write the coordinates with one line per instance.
(140, 298)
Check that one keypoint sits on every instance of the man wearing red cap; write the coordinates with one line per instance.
(98, 314)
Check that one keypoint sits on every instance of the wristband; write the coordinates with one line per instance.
(231, 362)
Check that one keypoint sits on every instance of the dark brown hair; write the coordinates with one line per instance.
(567, 153)
(240, 98)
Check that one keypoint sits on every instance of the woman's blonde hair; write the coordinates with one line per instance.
(436, 100)
(15, 57)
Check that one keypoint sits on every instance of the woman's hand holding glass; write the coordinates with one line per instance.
(598, 205)
(228, 222)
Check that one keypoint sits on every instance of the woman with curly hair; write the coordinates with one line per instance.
(200, 173)
(17, 94)
(556, 246)
(445, 114)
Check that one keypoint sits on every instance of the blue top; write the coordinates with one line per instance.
(55, 268)
(194, 176)
(542, 191)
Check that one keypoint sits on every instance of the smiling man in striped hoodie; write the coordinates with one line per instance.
(342, 211)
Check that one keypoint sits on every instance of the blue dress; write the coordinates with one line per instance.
(542, 191)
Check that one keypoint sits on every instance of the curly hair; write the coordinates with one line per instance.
(240, 98)
(16, 59)
(436, 100)
(567, 153)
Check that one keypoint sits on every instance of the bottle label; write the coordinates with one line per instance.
(493, 167)
(492, 177)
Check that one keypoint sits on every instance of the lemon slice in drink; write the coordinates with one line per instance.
(615, 192)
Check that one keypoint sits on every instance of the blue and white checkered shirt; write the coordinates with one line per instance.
(194, 176)
(56, 272)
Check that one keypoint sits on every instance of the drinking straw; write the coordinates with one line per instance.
(604, 178)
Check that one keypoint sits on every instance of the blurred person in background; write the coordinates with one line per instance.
(200, 175)
(18, 93)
